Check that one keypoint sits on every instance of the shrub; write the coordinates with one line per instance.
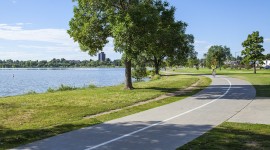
(150, 73)
(155, 77)
(66, 88)
(50, 90)
(92, 86)
(61, 88)
(225, 66)
(31, 92)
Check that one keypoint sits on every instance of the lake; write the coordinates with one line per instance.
(39, 80)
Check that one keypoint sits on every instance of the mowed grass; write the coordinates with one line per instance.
(236, 135)
(232, 136)
(261, 80)
(27, 118)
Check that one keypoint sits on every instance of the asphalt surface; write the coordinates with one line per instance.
(162, 128)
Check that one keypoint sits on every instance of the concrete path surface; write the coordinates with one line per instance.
(162, 128)
(258, 111)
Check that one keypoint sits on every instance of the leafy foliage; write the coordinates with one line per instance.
(130, 23)
(253, 49)
(169, 41)
(193, 61)
(216, 55)
(139, 68)
(267, 57)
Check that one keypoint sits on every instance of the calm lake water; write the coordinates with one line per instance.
(39, 80)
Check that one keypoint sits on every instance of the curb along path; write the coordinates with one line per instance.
(165, 127)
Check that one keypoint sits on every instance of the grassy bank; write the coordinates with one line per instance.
(261, 80)
(27, 118)
(233, 136)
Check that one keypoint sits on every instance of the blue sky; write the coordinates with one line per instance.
(36, 29)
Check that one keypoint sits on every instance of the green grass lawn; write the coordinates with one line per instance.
(261, 80)
(27, 118)
(233, 136)
(236, 135)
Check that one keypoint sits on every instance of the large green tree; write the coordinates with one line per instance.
(253, 49)
(129, 22)
(169, 41)
(217, 54)
(267, 57)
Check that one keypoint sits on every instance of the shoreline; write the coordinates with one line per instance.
(61, 68)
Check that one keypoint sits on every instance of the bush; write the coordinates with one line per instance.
(225, 66)
(139, 67)
(150, 73)
(247, 66)
(31, 92)
(155, 77)
(62, 88)
(66, 88)
(139, 72)
(50, 90)
(92, 86)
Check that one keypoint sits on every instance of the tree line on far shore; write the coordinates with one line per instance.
(59, 63)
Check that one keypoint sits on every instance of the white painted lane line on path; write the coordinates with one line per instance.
(161, 122)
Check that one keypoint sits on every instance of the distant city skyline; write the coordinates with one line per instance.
(36, 30)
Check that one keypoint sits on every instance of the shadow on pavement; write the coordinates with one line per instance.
(94, 135)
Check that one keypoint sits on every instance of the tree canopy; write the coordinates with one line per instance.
(130, 23)
(267, 57)
(216, 55)
(169, 40)
(138, 27)
(253, 49)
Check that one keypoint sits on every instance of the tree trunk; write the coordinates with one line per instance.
(156, 66)
(254, 67)
(128, 75)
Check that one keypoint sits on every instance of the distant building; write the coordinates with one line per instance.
(266, 63)
(101, 56)
(232, 63)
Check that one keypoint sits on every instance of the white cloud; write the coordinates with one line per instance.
(55, 48)
(5, 27)
(57, 41)
(21, 24)
(59, 36)
(17, 55)
(267, 40)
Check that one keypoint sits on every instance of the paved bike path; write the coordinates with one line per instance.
(166, 127)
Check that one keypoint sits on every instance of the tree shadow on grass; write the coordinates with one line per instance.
(160, 89)
(226, 137)
(262, 90)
